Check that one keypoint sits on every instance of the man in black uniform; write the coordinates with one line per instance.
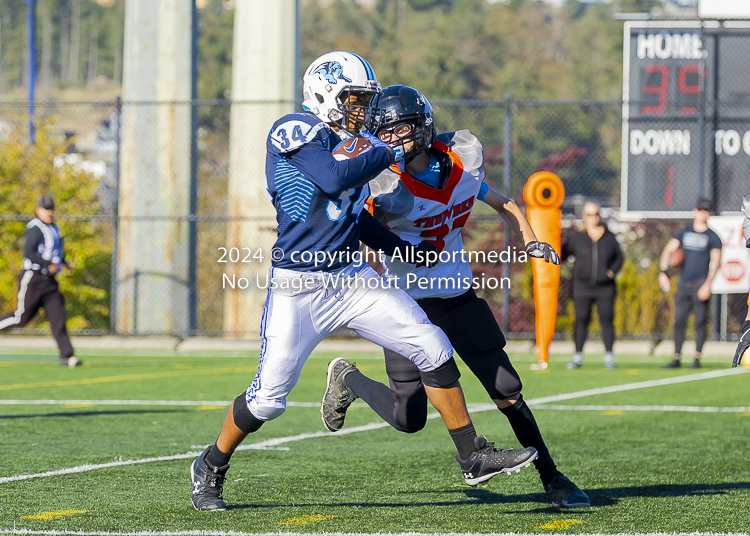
(702, 249)
(43, 258)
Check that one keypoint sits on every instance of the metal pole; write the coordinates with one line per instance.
(715, 313)
(701, 121)
(136, 279)
(724, 307)
(506, 193)
(297, 55)
(31, 25)
(115, 231)
(193, 231)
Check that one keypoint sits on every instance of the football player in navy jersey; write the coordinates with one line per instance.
(317, 285)
(433, 197)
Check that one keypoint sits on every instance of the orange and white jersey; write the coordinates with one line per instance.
(416, 211)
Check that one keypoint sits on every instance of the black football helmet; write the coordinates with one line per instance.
(404, 115)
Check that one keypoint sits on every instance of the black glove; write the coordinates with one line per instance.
(743, 345)
(542, 249)
(423, 254)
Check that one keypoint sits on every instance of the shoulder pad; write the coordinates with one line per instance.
(390, 193)
(746, 206)
(385, 183)
(469, 149)
(295, 130)
(445, 137)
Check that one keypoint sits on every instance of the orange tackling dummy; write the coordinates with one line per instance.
(544, 193)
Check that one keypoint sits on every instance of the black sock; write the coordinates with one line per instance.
(375, 394)
(464, 440)
(217, 458)
(527, 431)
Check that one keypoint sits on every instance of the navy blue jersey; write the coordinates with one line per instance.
(318, 199)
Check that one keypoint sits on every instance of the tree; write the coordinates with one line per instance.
(26, 171)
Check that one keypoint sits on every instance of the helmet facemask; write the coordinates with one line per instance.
(356, 110)
(414, 134)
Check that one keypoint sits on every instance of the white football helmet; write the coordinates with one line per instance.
(340, 87)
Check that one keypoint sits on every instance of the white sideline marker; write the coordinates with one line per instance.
(375, 426)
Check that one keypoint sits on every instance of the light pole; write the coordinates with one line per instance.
(31, 25)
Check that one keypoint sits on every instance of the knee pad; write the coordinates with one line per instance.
(444, 375)
(267, 410)
(243, 418)
(507, 385)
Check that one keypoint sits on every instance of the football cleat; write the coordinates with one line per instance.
(673, 363)
(488, 460)
(208, 484)
(338, 397)
(564, 493)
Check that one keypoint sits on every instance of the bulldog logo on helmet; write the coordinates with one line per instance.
(332, 70)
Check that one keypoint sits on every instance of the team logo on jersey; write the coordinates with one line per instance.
(457, 211)
(332, 70)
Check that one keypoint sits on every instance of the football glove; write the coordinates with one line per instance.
(398, 152)
(423, 254)
(542, 249)
(743, 345)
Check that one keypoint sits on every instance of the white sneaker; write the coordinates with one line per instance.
(576, 363)
(70, 362)
(609, 361)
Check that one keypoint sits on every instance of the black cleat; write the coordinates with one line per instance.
(674, 363)
(564, 493)
(338, 397)
(489, 460)
(696, 364)
(208, 484)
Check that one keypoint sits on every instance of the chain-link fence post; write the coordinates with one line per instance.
(115, 223)
(506, 193)
(193, 230)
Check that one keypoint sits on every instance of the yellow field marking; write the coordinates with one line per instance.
(559, 524)
(745, 414)
(55, 514)
(210, 407)
(78, 405)
(632, 371)
(613, 412)
(303, 520)
(127, 377)
(5, 364)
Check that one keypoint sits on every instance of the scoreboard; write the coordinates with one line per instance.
(686, 116)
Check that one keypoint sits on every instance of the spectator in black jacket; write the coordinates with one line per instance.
(598, 258)
(43, 258)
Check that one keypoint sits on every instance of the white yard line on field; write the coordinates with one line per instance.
(685, 409)
(374, 426)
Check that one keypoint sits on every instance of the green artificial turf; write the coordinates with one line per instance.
(645, 471)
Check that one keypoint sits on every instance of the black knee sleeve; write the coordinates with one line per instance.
(444, 375)
(243, 419)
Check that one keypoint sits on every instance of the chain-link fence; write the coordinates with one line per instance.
(164, 210)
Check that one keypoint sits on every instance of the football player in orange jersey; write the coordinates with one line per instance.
(432, 199)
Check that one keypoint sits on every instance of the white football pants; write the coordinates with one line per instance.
(302, 308)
